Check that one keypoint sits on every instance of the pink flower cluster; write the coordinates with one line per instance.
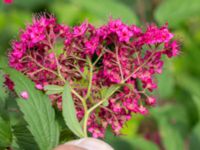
(50, 53)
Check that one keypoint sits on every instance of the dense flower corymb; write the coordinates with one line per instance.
(94, 60)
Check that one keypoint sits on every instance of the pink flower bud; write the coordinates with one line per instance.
(51, 55)
(151, 100)
(39, 86)
(143, 110)
(24, 94)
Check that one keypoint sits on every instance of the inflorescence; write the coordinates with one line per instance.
(93, 60)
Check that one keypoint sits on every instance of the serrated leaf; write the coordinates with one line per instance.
(37, 110)
(106, 8)
(5, 133)
(3, 94)
(53, 89)
(22, 138)
(69, 112)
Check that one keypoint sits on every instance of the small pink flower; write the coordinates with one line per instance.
(115, 25)
(131, 105)
(136, 30)
(124, 34)
(175, 48)
(52, 55)
(151, 100)
(116, 107)
(39, 86)
(143, 110)
(24, 94)
(97, 132)
(155, 35)
(80, 30)
(91, 46)
(17, 54)
(172, 49)
(149, 84)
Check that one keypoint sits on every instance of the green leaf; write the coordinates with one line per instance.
(3, 93)
(107, 92)
(197, 102)
(106, 8)
(3, 62)
(106, 103)
(190, 84)
(5, 133)
(22, 138)
(171, 137)
(176, 114)
(117, 142)
(37, 110)
(176, 11)
(69, 112)
(166, 87)
(66, 135)
(85, 71)
(53, 89)
(195, 138)
(141, 143)
(129, 143)
(131, 128)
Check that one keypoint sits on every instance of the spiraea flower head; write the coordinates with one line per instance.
(95, 60)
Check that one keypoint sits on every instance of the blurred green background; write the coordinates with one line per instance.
(174, 124)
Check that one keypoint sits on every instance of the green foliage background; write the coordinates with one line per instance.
(172, 125)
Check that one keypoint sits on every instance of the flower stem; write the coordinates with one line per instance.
(41, 66)
(138, 68)
(103, 100)
(119, 64)
(86, 117)
(90, 80)
(99, 57)
(89, 111)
